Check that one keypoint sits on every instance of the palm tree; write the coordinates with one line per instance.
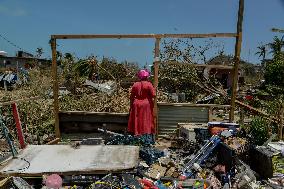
(262, 51)
(276, 45)
(86, 67)
(69, 56)
(39, 52)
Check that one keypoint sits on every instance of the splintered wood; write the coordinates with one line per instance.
(38, 159)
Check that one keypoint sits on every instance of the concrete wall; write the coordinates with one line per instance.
(11, 62)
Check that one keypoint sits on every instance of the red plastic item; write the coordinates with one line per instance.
(216, 130)
(18, 125)
(147, 184)
(249, 97)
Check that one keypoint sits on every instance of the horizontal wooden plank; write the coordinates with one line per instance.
(92, 113)
(256, 111)
(125, 36)
(226, 67)
(55, 141)
(194, 105)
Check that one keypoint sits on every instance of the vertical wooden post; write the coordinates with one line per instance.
(156, 81)
(281, 113)
(237, 59)
(210, 113)
(242, 116)
(18, 125)
(55, 87)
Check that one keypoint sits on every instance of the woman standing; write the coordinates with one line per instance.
(141, 119)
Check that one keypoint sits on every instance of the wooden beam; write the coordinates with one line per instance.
(237, 59)
(127, 36)
(256, 111)
(54, 141)
(55, 87)
(194, 105)
(225, 67)
(94, 113)
(156, 81)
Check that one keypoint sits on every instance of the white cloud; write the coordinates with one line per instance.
(12, 11)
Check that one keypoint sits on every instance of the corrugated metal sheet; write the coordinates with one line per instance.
(170, 116)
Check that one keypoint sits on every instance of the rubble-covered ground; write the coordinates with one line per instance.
(220, 161)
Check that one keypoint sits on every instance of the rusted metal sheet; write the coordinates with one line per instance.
(170, 116)
(38, 159)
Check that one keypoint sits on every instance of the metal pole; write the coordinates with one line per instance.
(18, 125)
(55, 87)
(18, 75)
(156, 81)
(237, 59)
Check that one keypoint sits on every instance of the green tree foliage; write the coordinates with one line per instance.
(274, 68)
(274, 72)
(111, 69)
(179, 78)
(86, 67)
(277, 45)
(106, 69)
(259, 130)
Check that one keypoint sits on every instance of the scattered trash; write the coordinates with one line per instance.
(107, 87)
(175, 162)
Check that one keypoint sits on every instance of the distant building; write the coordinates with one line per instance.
(225, 76)
(22, 59)
(24, 54)
(3, 53)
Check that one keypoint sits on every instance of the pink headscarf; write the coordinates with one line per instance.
(143, 74)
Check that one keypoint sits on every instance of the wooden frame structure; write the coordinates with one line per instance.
(157, 37)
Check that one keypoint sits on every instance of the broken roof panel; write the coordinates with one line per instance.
(38, 159)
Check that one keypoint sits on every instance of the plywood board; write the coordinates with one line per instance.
(65, 159)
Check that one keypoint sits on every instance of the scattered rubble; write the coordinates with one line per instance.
(179, 162)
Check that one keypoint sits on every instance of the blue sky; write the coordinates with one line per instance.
(29, 24)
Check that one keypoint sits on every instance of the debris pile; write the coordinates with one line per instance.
(224, 160)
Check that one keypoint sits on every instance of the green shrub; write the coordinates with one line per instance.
(259, 130)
